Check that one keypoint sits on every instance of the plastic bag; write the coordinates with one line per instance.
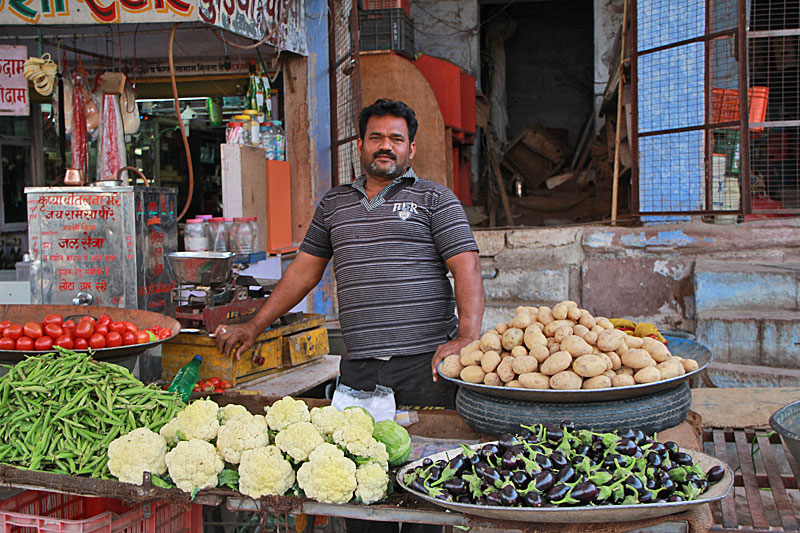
(112, 143)
(380, 402)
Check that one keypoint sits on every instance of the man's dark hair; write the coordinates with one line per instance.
(383, 107)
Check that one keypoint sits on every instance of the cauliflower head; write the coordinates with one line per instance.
(135, 453)
(264, 471)
(299, 440)
(241, 433)
(194, 464)
(198, 421)
(355, 435)
(170, 431)
(230, 411)
(372, 482)
(328, 476)
(285, 412)
(327, 419)
(376, 453)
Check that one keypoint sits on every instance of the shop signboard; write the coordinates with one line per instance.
(13, 85)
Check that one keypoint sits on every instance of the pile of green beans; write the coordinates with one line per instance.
(61, 410)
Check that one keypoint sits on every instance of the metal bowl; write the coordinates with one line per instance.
(786, 422)
(201, 268)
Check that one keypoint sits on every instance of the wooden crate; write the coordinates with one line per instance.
(305, 346)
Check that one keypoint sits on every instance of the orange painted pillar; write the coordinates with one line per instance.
(279, 208)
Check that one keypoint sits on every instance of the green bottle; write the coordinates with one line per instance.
(186, 378)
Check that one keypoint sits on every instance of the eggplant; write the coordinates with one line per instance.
(544, 481)
(668, 486)
(457, 464)
(626, 447)
(533, 499)
(504, 474)
(675, 498)
(506, 441)
(544, 462)
(489, 450)
(646, 497)
(493, 499)
(524, 433)
(659, 448)
(520, 479)
(553, 434)
(567, 475)
(419, 485)
(598, 447)
(635, 484)
(558, 460)
(702, 485)
(654, 459)
(672, 448)
(490, 475)
(568, 425)
(434, 473)
(715, 474)
(651, 484)
(638, 454)
(639, 437)
(583, 449)
(609, 461)
(464, 498)
(626, 433)
(441, 463)
(683, 458)
(558, 492)
(510, 460)
(427, 462)
(585, 492)
(509, 496)
(475, 458)
(455, 486)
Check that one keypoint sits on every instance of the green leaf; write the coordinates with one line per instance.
(195, 490)
(228, 478)
(161, 483)
(474, 484)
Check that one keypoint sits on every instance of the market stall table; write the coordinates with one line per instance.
(295, 381)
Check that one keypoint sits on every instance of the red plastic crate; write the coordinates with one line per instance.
(389, 4)
(725, 105)
(45, 512)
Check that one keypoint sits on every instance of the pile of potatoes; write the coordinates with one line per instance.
(564, 348)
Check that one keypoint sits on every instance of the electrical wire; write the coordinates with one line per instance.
(180, 123)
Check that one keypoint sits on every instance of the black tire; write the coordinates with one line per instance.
(651, 413)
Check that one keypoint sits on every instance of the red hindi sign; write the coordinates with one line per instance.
(13, 85)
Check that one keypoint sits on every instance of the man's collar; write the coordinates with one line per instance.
(361, 181)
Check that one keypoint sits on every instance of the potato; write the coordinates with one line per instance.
(505, 354)
(689, 365)
(637, 358)
(589, 366)
(587, 319)
(622, 348)
(566, 380)
(609, 340)
(607, 360)
(576, 346)
(598, 330)
(501, 328)
(505, 370)
(623, 380)
(598, 382)
(632, 341)
(560, 311)
(519, 351)
(670, 368)
(489, 361)
(579, 330)
(533, 311)
(493, 380)
(616, 362)
(609, 373)
(556, 363)
(656, 348)
(538, 325)
(573, 313)
(625, 370)
(550, 329)
(472, 374)
(521, 309)
(451, 366)
(474, 345)
(473, 358)
(596, 350)
(491, 341)
(533, 335)
(590, 337)
(521, 320)
(545, 315)
(562, 333)
(511, 338)
(603, 322)
(648, 374)
(524, 364)
(534, 380)
(555, 347)
(513, 384)
(540, 352)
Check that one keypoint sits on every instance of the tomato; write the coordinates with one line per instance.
(102, 329)
(25, 343)
(43, 343)
(14, 331)
(142, 337)
(196, 388)
(113, 339)
(225, 384)
(80, 343)
(165, 333)
(90, 318)
(207, 387)
(54, 318)
(97, 341)
(68, 324)
(156, 329)
(128, 338)
(84, 329)
(65, 341)
(130, 326)
(7, 343)
(117, 326)
(218, 389)
(53, 330)
(214, 381)
(32, 330)
(104, 320)
(3, 325)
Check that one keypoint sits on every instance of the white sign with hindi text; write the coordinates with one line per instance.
(13, 85)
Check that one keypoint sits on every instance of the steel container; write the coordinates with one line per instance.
(786, 422)
(201, 268)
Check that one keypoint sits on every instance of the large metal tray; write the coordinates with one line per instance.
(584, 514)
(679, 346)
(35, 313)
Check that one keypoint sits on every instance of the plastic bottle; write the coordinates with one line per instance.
(195, 235)
(218, 236)
(255, 232)
(241, 236)
(186, 378)
(268, 139)
(280, 140)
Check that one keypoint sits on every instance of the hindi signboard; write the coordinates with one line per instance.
(13, 85)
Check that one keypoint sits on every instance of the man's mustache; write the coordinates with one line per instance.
(387, 153)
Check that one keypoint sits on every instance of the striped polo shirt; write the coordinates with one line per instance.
(389, 262)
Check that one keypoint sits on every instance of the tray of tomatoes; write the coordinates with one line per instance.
(110, 332)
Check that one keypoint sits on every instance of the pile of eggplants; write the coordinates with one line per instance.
(557, 466)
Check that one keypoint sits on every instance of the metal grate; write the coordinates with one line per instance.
(345, 90)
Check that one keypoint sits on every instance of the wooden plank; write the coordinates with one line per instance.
(296, 380)
(755, 506)
(779, 495)
(728, 504)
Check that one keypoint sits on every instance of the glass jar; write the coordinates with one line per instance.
(255, 231)
(241, 236)
(244, 120)
(218, 235)
(233, 133)
(195, 236)
(280, 140)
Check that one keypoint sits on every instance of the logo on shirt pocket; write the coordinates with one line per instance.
(404, 209)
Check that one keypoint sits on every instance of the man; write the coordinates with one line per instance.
(393, 236)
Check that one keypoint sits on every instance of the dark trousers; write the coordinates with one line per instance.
(410, 378)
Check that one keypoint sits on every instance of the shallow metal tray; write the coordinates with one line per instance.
(584, 514)
(20, 314)
(679, 346)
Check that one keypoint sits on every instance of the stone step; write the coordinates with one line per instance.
(732, 284)
(728, 375)
(769, 338)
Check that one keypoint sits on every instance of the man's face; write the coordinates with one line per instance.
(386, 152)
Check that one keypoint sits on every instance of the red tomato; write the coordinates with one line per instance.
(3, 325)
(14, 331)
(7, 343)
(207, 387)
(68, 324)
(117, 326)
(156, 329)
(130, 326)
(53, 330)
(165, 333)
(25, 343)
(113, 339)
(218, 389)
(214, 381)
(43, 343)
(225, 384)
(102, 329)
(128, 338)
(104, 319)
(97, 341)
(54, 318)
(80, 343)
(196, 388)
(32, 330)
(142, 337)
(90, 318)
(65, 341)
(84, 329)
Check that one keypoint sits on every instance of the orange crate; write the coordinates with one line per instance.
(725, 105)
(389, 4)
(45, 512)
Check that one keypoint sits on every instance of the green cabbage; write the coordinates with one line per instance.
(395, 438)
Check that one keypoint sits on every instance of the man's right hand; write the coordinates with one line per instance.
(228, 336)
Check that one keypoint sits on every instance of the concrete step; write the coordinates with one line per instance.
(733, 284)
(752, 337)
(728, 375)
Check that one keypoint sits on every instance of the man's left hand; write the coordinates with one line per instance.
(448, 348)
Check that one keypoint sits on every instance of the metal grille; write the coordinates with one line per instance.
(345, 90)
(774, 64)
